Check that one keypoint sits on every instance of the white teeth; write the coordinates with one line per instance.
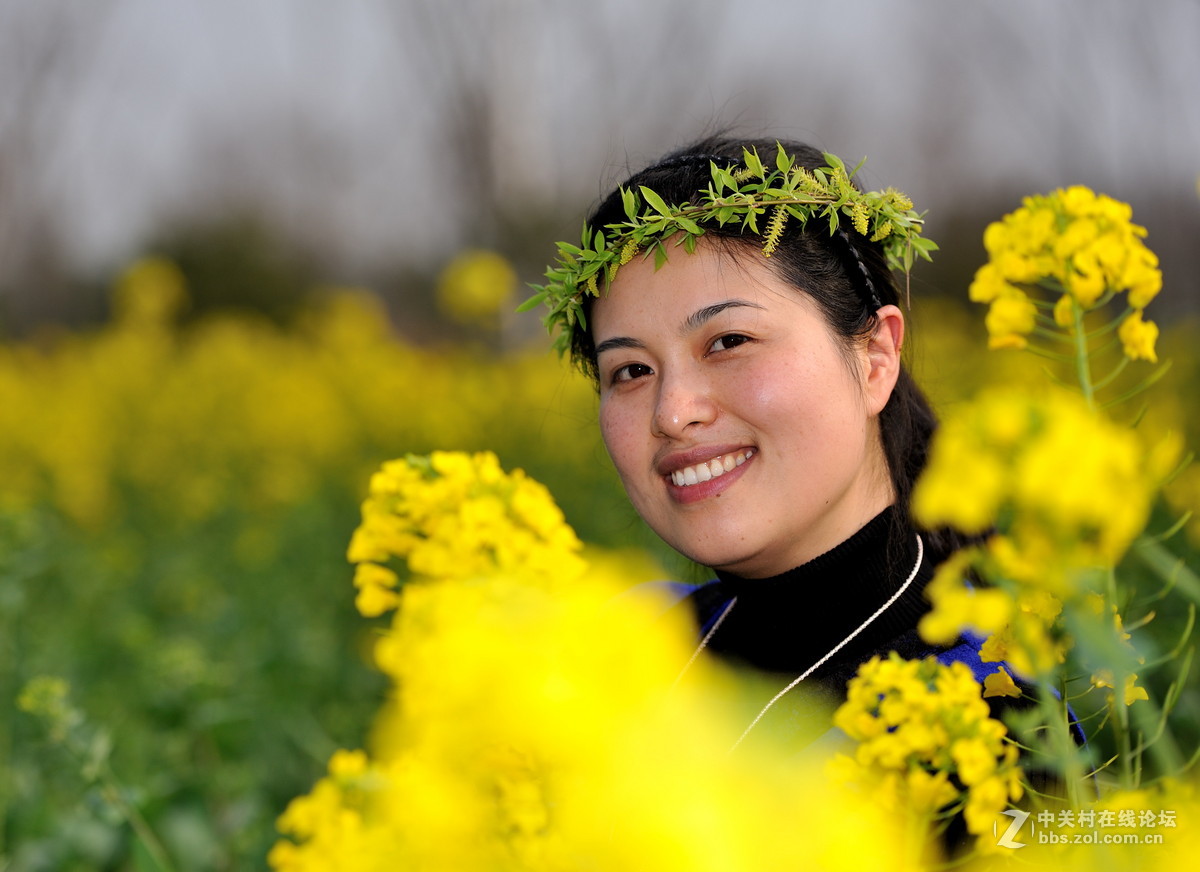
(710, 469)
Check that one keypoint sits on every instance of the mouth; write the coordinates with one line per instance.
(707, 470)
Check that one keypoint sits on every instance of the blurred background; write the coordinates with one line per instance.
(368, 141)
(249, 249)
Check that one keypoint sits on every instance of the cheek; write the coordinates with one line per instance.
(802, 396)
(768, 390)
(618, 432)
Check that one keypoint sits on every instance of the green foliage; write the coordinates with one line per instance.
(738, 197)
(174, 518)
(174, 515)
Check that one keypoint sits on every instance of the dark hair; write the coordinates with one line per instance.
(845, 274)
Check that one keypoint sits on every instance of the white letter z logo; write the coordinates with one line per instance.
(1007, 840)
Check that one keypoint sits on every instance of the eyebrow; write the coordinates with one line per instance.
(695, 320)
(618, 342)
(701, 316)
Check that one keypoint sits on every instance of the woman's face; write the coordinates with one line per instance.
(743, 434)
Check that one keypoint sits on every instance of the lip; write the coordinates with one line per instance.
(701, 453)
(687, 494)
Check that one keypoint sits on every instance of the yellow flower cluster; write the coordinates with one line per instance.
(927, 744)
(1075, 243)
(235, 414)
(1066, 486)
(1061, 492)
(534, 726)
(454, 515)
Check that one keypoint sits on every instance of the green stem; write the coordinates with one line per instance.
(1121, 724)
(1047, 333)
(1060, 744)
(1082, 362)
(1052, 735)
(1038, 351)
(111, 790)
(1111, 325)
(1112, 376)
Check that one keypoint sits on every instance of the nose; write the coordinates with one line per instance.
(684, 401)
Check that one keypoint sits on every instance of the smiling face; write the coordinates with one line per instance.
(745, 434)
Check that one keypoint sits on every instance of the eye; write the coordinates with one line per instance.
(629, 372)
(728, 341)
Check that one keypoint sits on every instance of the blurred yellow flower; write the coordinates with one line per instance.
(1010, 319)
(1078, 485)
(1138, 337)
(1000, 683)
(150, 291)
(476, 287)
(534, 723)
(1131, 692)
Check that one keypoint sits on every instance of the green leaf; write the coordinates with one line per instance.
(660, 254)
(783, 160)
(532, 303)
(655, 201)
(751, 159)
(629, 201)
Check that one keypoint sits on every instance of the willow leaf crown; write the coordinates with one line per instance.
(735, 195)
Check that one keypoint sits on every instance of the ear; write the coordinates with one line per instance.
(883, 357)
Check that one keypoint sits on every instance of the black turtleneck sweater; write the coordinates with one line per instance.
(781, 626)
(790, 621)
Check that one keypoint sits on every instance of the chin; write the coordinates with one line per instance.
(715, 558)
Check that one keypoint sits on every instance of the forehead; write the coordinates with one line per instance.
(642, 298)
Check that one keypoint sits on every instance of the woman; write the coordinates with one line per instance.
(754, 402)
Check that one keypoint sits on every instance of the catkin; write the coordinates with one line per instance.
(775, 228)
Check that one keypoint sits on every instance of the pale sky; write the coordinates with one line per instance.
(334, 107)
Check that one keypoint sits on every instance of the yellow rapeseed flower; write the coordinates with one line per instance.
(988, 284)
(533, 722)
(1071, 240)
(1000, 683)
(1010, 319)
(1138, 337)
(938, 741)
(1132, 692)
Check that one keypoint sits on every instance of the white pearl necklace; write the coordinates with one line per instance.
(838, 647)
